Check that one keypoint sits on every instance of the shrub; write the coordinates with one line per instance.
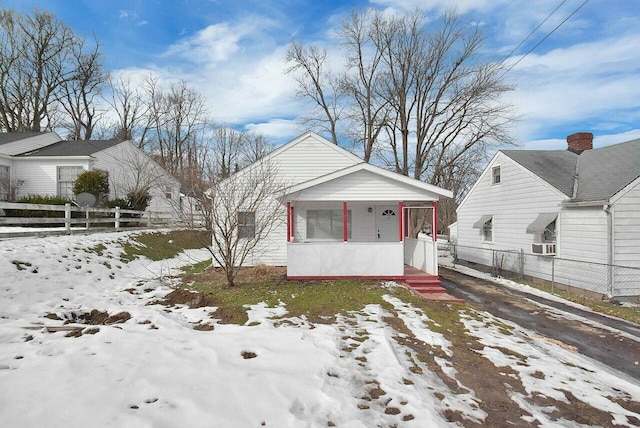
(95, 182)
(119, 202)
(139, 199)
(39, 199)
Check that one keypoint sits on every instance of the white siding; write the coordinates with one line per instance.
(627, 228)
(39, 177)
(626, 231)
(584, 234)
(309, 158)
(129, 169)
(364, 186)
(514, 204)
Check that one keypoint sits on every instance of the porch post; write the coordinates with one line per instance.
(293, 223)
(406, 222)
(400, 221)
(288, 221)
(434, 226)
(345, 222)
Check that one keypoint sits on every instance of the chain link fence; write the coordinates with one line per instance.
(601, 278)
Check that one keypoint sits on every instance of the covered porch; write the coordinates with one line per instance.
(357, 225)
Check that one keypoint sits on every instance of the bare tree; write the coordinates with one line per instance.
(227, 149)
(35, 60)
(178, 121)
(255, 147)
(80, 90)
(130, 108)
(420, 94)
(244, 210)
(362, 80)
(316, 83)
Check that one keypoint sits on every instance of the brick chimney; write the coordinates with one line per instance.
(579, 142)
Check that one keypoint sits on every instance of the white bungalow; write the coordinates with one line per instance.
(42, 163)
(346, 218)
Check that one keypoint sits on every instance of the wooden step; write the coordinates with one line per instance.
(426, 282)
(429, 290)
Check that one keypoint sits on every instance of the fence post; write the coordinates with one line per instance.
(553, 274)
(521, 263)
(67, 218)
(117, 222)
(86, 216)
(494, 268)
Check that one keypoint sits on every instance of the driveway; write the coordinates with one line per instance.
(611, 341)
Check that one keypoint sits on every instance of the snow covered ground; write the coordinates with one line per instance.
(155, 370)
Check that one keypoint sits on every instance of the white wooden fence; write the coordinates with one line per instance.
(87, 218)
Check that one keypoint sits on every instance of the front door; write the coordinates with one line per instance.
(387, 223)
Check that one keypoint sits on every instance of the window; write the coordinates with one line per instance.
(549, 233)
(167, 192)
(4, 183)
(66, 176)
(327, 224)
(247, 224)
(487, 230)
(495, 175)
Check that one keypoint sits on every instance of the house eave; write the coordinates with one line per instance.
(87, 157)
(583, 204)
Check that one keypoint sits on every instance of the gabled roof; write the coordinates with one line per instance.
(72, 148)
(606, 171)
(15, 143)
(319, 139)
(363, 166)
(598, 174)
(556, 167)
(10, 137)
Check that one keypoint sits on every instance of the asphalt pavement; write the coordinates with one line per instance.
(609, 340)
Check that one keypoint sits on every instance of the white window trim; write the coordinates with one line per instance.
(493, 168)
(247, 225)
(58, 181)
(340, 239)
(493, 229)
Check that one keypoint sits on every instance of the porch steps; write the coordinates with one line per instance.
(430, 287)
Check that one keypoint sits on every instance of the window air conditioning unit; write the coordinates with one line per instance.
(544, 249)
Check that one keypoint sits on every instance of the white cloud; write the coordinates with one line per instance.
(213, 44)
(579, 82)
(462, 6)
(277, 129)
(127, 14)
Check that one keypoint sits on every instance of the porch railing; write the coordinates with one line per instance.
(421, 253)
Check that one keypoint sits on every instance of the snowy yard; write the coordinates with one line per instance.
(146, 365)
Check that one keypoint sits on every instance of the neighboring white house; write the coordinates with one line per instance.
(44, 164)
(341, 217)
(578, 204)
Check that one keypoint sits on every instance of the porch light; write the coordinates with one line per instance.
(370, 210)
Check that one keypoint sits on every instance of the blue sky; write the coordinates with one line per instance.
(584, 77)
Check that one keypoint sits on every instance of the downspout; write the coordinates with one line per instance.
(607, 208)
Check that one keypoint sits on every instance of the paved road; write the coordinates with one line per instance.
(617, 350)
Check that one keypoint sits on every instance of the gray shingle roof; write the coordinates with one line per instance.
(556, 167)
(602, 172)
(73, 148)
(10, 137)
